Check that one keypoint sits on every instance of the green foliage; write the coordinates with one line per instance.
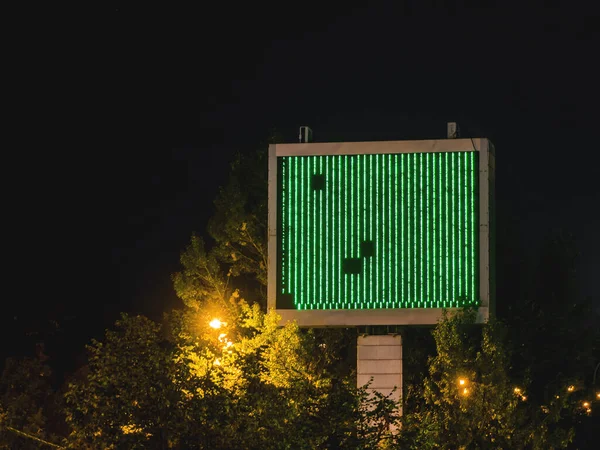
(25, 396)
(201, 278)
(470, 398)
(126, 400)
(248, 384)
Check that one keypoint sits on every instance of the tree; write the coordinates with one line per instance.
(556, 339)
(237, 255)
(26, 395)
(126, 400)
(239, 226)
(242, 382)
(201, 279)
(470, 398)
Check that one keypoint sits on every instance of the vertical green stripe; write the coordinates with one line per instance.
(384, 282)
(377, 219)
(391, 282)
(397, 204)
(284, 204)
(435, 225)
(460, 226)
(422, 229)
(327, 244)
(446, 243)
(340, 295)
(351, 234)
(440, 232)
(301, 234)
(409, 234)
(415, 236)
(316, 237)
(453, 227)
(474, 168)
(363, 237)
(321, 216)
(402, 198)
(429, 230)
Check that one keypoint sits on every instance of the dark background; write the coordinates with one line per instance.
(126, 119)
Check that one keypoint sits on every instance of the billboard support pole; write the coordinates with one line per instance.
(379, 364)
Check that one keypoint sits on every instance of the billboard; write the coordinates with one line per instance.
(368, 233)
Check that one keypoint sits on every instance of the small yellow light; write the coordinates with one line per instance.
(524, 398)
(465, 391)
(586, 404)
(589, 410)
(598, 395)
(571, 388)
(461, 382)
(217, 362)
(517, 390)
(216, 324)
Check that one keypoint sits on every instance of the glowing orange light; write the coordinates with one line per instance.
(586, 404)
(461, 382)
(216, 324)
(598, 395)
(571, 388)
(517, 390)
(465, 391)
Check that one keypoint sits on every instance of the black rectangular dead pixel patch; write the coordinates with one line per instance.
(318, 182)
(351, 266)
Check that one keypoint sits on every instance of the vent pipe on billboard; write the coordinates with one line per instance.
(452, 130)
(305, 134)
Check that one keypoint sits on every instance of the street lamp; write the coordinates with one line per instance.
(216, 324)
(519, 392)
(463, 383)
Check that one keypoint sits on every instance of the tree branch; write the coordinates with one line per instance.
(30, 436)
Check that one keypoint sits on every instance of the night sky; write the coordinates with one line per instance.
(131, 117)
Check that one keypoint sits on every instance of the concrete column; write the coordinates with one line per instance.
(380, 358)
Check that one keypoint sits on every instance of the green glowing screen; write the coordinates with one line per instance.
(378, 231)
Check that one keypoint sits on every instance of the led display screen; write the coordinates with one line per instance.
(374, 231)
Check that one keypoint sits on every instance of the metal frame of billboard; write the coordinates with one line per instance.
(396, 316)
